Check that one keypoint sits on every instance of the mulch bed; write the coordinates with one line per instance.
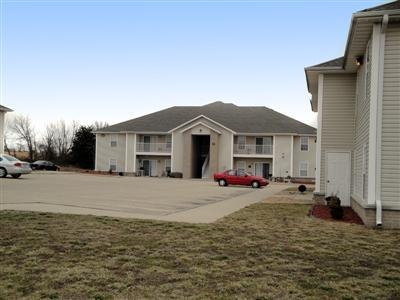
(323, 212)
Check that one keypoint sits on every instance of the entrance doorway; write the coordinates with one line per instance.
(200, 155)
(338, 176)
(149, 167)
(262, 169)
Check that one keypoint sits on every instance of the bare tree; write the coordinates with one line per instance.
(47, 146)
(25, 132)
(99, 125)
(63, 136)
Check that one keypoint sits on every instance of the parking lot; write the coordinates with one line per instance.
(188, 200)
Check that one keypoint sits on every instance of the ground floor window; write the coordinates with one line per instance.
(303, 169)
(241, 166)
(113, 164)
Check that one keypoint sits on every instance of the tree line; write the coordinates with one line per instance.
(62, 143)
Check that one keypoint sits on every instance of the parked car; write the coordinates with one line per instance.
(44, 165)
(9, 165)
(238, 177)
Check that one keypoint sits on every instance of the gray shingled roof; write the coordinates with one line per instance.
(3, 108)
(337, 62)
(241, 119)
(387, 6)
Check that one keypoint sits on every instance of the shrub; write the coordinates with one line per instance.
(333, 203)
(302, 188)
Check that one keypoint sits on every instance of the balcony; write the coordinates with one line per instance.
(153, 148)
(252, 150)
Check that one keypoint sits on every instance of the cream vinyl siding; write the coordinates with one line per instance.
(361, 138)
(390, 151)
(282, 156)
(105, 152)
(2, 119)
(337, 130)
(301, 156)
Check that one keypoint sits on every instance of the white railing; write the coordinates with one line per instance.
(204, 168)
(153, 147)
(249, 149)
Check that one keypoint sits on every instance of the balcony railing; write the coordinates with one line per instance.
(153, 147)
(250, 149)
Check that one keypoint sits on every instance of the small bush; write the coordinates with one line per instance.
(302, 188)
(333, 203)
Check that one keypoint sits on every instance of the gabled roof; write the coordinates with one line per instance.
(359, 34)
(334, 63)
(387, 6)
(6, 109)
(240, 119)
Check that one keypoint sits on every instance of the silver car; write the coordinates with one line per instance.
(9, 165)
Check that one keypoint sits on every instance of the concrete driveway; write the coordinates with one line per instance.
(195, 201)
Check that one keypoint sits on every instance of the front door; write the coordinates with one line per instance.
(338, 166)
(262, 169)
(149, 167)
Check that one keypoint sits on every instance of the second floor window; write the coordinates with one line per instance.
(114, 139)
(304, 143)
(241, 141)
(168, 141)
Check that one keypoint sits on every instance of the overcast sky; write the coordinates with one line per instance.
(112, 61)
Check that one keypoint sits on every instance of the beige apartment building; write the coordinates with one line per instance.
(201, 140)
(3, 111)
(357, 98)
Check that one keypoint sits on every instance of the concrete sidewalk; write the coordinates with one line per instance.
(212, 212)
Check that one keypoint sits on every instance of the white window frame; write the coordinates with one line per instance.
(301, 164)
(241, 140)
(302, 140)
(111, 164)
(243, 162)
(113, 140)
(168, 141)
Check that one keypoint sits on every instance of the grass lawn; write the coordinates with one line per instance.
(265, 251)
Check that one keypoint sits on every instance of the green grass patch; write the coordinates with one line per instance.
(265, 251)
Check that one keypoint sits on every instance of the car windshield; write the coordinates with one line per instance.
(10, 158)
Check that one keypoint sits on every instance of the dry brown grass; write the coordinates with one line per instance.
(265, 251)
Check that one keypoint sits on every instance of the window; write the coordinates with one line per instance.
(264, 145)
(304, 143)
(241, 142)
(168, 141)
(113, 164)
(303, 169)
(114, 139)
(241, 166)
(168, 166)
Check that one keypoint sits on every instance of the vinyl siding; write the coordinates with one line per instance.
(361, 139)
(105, 152)
(337, 130)
(282, 156)
(2, 118)
(390, 147)
(306, 156)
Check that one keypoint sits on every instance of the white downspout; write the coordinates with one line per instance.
(378, 201)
